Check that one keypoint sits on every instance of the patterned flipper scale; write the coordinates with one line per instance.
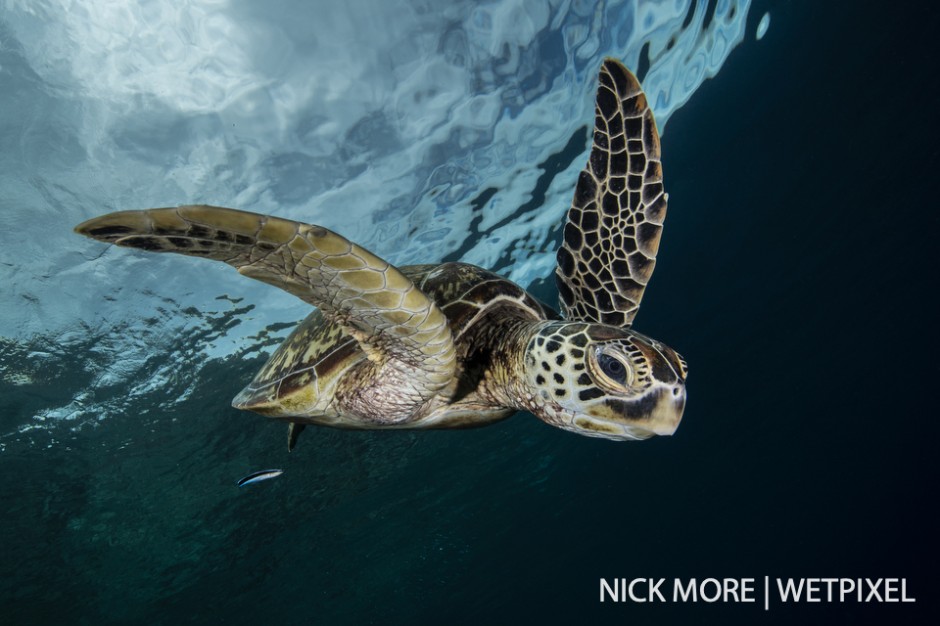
(614, 224)
(396, 324)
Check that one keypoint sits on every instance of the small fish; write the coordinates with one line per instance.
(257, 477)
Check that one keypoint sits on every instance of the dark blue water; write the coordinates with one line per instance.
(796, 276)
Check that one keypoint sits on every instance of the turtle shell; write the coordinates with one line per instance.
(302, 375)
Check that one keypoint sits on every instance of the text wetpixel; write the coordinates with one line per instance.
(745, 590)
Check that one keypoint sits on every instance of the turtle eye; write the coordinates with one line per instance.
(613, 369)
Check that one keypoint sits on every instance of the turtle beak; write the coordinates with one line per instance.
(669, 372)
(665, 418)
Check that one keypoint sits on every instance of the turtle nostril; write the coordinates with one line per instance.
(676, 391)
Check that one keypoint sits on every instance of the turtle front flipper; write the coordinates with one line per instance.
(612, 233)
(399, 328)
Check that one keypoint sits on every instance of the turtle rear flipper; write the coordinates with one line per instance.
(293, 432)
(399, 328)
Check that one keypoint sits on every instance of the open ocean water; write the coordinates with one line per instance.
(797, 275)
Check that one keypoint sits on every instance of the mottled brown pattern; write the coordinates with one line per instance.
(612, 232)
(482, 309)
(576, 394)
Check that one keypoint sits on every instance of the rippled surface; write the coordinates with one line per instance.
(420, 133)
(432, 131)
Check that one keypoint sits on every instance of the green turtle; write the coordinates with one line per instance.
(455, 345)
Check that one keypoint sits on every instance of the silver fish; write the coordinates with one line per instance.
(257, 477)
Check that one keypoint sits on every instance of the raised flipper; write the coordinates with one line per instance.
(615, 221)
(396, 324)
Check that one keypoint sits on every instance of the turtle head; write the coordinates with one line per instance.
(604, 381)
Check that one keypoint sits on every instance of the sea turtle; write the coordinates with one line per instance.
(454, 345)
